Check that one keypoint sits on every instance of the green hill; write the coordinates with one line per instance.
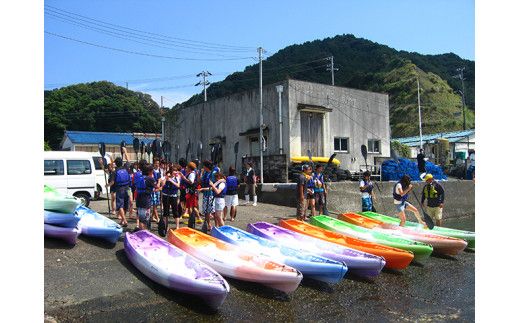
(367, 65)
(97, 106)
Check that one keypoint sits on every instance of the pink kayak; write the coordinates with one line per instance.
(440, 244)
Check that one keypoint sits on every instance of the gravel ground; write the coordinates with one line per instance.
(94, 281)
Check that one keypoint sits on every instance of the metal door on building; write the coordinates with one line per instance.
(311, 125)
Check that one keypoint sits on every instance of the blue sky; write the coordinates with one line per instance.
(427, 27)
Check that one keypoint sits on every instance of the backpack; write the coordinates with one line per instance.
(140, 184)
(122, 178)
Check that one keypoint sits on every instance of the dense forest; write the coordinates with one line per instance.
(362, 64)
(97, 106)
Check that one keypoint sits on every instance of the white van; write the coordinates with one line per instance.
(101, 189)
(71, 173)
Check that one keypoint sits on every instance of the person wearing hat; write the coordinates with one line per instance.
(433, 193)
(302, 192)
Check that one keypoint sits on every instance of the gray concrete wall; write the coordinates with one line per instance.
(356, 114)
(345, 196)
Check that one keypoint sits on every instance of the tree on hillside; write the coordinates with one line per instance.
(98, 106)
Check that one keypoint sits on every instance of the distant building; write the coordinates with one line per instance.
(322, 118)
(460, 142)
(88, 141)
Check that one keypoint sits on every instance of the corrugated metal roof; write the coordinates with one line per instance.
(109, 138)
(451, 136)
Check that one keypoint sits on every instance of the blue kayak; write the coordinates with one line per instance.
(98, 226)
(66, 220)
(310, 265)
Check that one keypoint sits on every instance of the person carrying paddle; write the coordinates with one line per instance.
(231, 198)
(400, 193)
(366, 187)
(110, 186)
(302, 192)
(434, 194)
(320, 188)
(156, 196)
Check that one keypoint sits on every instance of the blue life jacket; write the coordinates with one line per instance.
(231, 185)
(140, 185)
(122, 178)
(206, 177)
(311, 183)
(319, 177)
(157, 174)
(398, 197)
(223, 192)
(169, 188)
(369, 188)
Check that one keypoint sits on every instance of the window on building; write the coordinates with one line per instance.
(341, 144)
(374, 146)
(52, 167)
(78, 167)
(254, 146)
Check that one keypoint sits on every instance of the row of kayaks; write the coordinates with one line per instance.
(65, 218)
(278, 255)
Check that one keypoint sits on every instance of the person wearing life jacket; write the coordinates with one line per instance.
(111, 171)
(366, 187)
(311, 202)
(302, 192)
(138, 184)
(190, 180)
(145, 185)
(219, 191)
(433, 193)
(182, 195)
(170, 184)
(320, 189)
(156, 196)
(400, 193)
(122, 182)
(208, 199)
(231, 198)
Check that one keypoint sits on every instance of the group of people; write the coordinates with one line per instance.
(311, 193)
(175, 187)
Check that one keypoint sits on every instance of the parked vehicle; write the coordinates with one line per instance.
(71, 173)
(101, 189)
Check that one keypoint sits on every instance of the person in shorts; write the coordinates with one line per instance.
(231, 198)
(319, 189)
(219, 191)
(433, 193)
(190, 180)
(110, 186)
(366, 187)
(301, 192)
(250, 179)
(311, 202)
(144, 198)
(122, 182)
(156, 196)
(208, 198)
(400, 193)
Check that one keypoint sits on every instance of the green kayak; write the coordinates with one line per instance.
(55, 201)
(420, 250)
(469, 236)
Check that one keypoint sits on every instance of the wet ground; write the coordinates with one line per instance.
(94, 281)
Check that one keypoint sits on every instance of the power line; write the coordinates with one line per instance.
(199, 44)
(144, 54)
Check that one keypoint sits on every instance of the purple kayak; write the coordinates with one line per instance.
(67, 234)
(173, 268)
(359, 263)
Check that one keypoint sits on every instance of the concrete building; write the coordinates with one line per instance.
(319, 117)
(460, 142)
(88, 141)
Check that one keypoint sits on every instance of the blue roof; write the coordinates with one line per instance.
(451, 136)
(109, 138)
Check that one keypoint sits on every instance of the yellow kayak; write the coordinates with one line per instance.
(324, 160)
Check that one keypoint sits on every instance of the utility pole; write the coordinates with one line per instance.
(162, 127)
(331, 68)
(461, 77)
(261, 138)
(279, 89)
(204, 83)
(419, 105)
(161, 101)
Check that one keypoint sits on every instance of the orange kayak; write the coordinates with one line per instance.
(395, 258)
(232, 261)
(441, 244)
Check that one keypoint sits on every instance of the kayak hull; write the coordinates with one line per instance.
(173, 268)
(359, 263)
(395, 258)
(96, 225)
(440, 244)
(468, 236)
(67, 220)
(310, 265)
(420, 250)
(55, 201)
(231, 261)
(69, 235)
